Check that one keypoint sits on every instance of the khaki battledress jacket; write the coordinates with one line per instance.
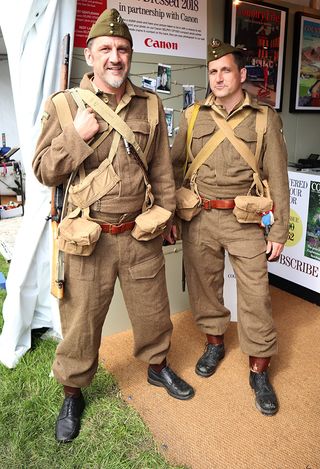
(59, 153)
(224, 175)
(139, 265)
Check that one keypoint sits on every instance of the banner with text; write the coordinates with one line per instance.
(166, 27)
(87, 14)
(300, 259)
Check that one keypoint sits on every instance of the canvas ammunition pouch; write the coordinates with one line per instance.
(188, 203)
(153, 220)
(151, 223)
(249, 208)
(78, 235)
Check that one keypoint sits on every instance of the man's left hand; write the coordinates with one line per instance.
(171, 236)
(274, 250)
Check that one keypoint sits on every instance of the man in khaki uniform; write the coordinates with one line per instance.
(139, 265)
(224, 175)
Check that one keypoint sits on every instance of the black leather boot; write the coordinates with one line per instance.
(208, 362)
(68, 422)
(174, 385)
(266, 399)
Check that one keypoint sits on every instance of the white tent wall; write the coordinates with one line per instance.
(8, 124)
(33, 41)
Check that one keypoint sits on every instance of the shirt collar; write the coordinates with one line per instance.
(247, 101)
(131, 89)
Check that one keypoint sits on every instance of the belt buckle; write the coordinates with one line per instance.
(206, 204)
(114, 229)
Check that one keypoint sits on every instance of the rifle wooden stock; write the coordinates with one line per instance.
(56, 286)
(57, 265)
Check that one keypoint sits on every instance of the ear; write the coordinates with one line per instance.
(88, 56)
(243, 74)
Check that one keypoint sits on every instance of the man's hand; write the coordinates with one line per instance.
(274, 250)
(171, 236)
(86, 123)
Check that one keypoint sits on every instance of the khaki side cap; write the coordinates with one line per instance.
(110, 23)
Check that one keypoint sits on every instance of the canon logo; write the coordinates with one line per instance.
(149, 42)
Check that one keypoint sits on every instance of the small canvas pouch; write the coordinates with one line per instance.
(188, 203)
(151, 223)
(78, 236)
(249, 208)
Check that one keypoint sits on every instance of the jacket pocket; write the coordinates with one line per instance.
(147, 269)
(249, 137)
(235, 164)
(141, 130)
(201, 134)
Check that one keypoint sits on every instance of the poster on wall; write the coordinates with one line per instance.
(300, 259)
(312, 241)
(176, 27)
(260, 30)
(305, 84)
(87, 13)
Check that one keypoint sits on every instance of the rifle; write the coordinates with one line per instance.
(57, 269)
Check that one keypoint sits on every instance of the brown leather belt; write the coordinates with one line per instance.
(217, 203)
(117, 229)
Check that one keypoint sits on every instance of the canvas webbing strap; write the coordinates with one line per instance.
(65, 118)
(214, 141)
(63, 109)
(261, 128)
(113, 119)
(191, 122)
(239, 144)
(241, 147)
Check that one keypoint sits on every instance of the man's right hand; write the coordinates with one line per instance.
(86, 123)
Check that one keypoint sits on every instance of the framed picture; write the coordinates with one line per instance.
(261, 30)
(305, 84)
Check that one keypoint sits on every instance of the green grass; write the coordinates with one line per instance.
(112, 436)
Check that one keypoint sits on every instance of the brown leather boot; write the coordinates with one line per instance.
(266, 399)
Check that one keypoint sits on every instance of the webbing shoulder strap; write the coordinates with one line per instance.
(238, 144)
(153, 119)
(63, 110)
(261, 128)
(113, 119)
(194, 110)
(212, 144)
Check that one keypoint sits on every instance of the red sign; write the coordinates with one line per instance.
(87, 14)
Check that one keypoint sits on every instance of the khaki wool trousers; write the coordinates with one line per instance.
(205, 240)
(89, 287)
